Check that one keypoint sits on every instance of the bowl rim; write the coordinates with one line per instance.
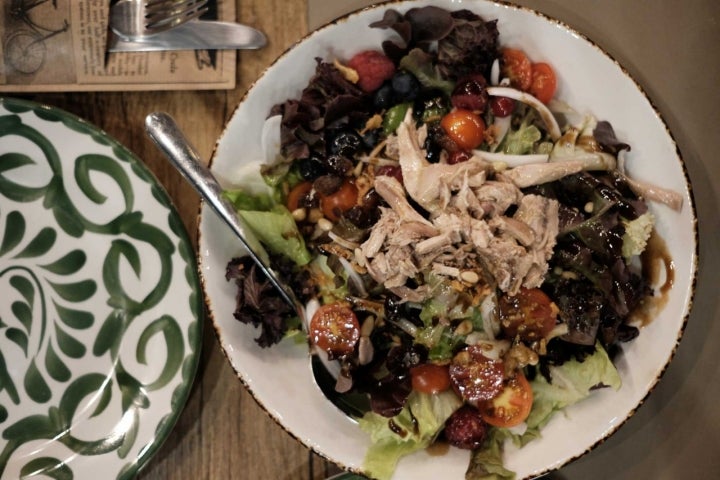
(692, 287)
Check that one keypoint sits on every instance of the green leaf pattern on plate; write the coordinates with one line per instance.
(63, 360)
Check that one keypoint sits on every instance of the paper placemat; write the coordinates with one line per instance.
(48, 46)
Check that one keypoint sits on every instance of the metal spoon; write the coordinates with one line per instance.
(166, 134)
(169, 138)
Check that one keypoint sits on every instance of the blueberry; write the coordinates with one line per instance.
(345, 143)
(433, 142)
(338, 165)
(371, 138)
(432, 150)
(405, 86)
(311, 167)
(384, 97)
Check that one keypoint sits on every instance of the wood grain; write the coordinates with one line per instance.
(222, 433)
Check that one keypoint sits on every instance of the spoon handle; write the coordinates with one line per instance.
(166, 134)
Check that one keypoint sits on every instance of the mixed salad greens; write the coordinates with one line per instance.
(471, 263)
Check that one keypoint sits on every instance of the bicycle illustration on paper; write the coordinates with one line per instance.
(25, 48)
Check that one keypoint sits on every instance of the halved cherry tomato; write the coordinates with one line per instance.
(517, 67)
(530, 314)
(544, 82)
(296, 195)
(342, 200)
(430, 378)
(474, 376)
(512, 406)
(464, 127)
(335, 329)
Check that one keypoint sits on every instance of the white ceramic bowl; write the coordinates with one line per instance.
(280, 379)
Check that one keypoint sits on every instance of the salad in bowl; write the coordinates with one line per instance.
(482, 247)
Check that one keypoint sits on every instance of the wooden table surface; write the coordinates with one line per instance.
(222, 432)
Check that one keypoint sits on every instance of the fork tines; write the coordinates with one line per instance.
(163, 15)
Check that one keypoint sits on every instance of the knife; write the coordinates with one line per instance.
(193, 35)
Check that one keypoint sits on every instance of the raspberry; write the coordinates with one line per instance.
(373, 68)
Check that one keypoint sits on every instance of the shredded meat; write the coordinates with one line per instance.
(466, 225)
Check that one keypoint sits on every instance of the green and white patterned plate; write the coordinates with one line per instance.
(100, 318)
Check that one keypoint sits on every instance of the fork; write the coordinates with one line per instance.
(135, 19)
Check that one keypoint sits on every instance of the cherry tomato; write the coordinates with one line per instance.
(297, 194)
(544, 82)
(502, 106)
(430, 378)
(335, 329)
(474, 376)
(464, 128)
(517, 67)
(342, 200)
(512, 406)
(530, 314)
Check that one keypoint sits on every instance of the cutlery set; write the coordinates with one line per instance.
(155, 25)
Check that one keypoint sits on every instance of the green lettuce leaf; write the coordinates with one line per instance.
(420, 64)
(571, 382)
(421, 420)
(487, 463)
(271, 222)
(522, 140)
(276, 229)
(242, 200)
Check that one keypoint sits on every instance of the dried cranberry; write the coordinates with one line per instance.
(502, 106)
(390, 171)
(470, 93)
(458, 156)
(465, 428)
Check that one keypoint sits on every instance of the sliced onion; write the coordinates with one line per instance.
(310, 308)
(350, 245)
(270, 139)
(353, 277)
(502, 125)
(495, 72)
(519, 429)
(488, 313)
(515, 94)
(512, 160)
